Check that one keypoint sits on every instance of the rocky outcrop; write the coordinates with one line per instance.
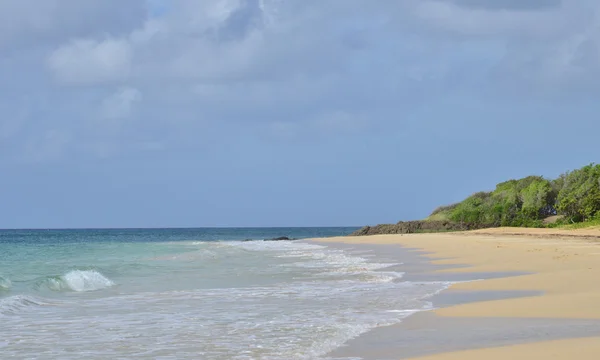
(280, 238)
(411, 227)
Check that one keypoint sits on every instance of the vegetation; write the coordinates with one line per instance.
(527, 202)
(592, 223)
(572, 201)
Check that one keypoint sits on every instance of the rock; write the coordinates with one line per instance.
(411, 227)
(280, 238)
(553, 219)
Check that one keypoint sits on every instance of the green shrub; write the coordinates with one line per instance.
(579, 195)
(527, 201)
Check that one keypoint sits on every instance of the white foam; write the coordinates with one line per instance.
(382, 276)
(86, 280)
(287, 300)
(338, 263)
(15, 304)
(405, 311)
(272, 245)
(5, 283)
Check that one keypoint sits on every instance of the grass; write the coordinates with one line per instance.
(442, 216)
(582, 225)
(563, 224)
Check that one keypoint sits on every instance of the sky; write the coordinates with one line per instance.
(188, 113)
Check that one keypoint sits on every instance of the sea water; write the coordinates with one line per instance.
(192, 294)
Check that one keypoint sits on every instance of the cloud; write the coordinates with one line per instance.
(213, 41)
(238, 101)
(29, 23)
(228, 41)
(92, 61)
(289, 67)
(120, 104)
(530, 5)
(539, 47)
(480, 19)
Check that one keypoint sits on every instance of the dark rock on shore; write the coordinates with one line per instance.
(280, 238)
(411, 227)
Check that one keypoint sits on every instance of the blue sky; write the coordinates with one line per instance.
(285, 112)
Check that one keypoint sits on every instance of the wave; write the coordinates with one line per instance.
(189, 256)
(76, 280)
(381, 277)
(15, 304)
(5, 283)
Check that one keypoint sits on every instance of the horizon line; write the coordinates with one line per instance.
(180, 227)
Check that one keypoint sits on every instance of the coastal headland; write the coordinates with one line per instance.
(560, 268)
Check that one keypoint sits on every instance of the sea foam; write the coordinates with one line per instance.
(15, 304)
(86, 280)
(232, 299)
(78, 280)
(5, 283)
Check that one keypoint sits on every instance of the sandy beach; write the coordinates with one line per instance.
(562, 266)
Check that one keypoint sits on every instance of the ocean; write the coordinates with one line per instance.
(193, 294)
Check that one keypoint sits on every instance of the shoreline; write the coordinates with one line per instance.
(555, 271)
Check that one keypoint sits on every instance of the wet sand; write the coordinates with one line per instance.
(539, 297)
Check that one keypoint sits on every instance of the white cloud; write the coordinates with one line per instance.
(92, 61)
(462, 20)
(180, 45)
(284, 66)
(211, 41)
(120, 104)
(228, 41)
(33, 23)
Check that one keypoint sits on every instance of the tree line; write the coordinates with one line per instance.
(574, 195)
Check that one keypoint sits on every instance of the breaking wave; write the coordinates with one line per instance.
(76, 280)
(5, 284)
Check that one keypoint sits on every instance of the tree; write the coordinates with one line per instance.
(579, 195)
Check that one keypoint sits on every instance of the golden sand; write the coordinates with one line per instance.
(564, 264)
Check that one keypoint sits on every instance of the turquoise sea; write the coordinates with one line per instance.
(191, 294)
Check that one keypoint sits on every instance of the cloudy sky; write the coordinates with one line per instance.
(151, 113)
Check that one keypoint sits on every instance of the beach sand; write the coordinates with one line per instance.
(558, 271)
